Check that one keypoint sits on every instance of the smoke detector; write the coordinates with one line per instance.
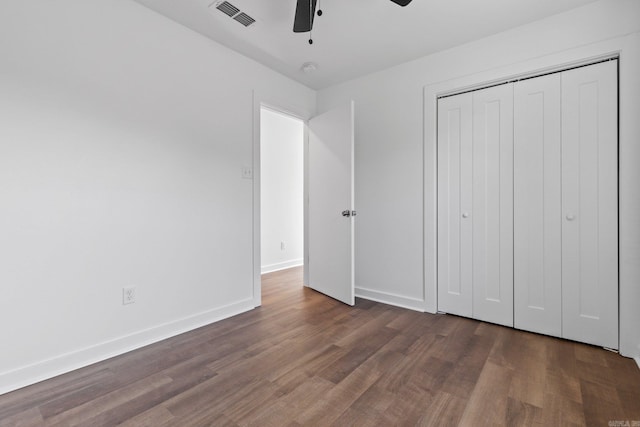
(309, 67)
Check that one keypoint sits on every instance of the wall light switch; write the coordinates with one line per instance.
(128, 295)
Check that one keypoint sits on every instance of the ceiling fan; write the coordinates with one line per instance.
(306, 10)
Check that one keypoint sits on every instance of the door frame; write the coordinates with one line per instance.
(626, 49)
(454, 87)
(275, 103)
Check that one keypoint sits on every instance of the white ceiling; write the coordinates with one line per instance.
(354, 37)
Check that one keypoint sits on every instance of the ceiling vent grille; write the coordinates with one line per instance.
(227, 8)
(244, 19)
(233, 12)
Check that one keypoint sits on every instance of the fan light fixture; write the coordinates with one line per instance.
(306, 11)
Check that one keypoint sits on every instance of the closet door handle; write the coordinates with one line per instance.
(465, 215)
(570, 217)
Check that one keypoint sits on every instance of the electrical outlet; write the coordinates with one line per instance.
(128, 295)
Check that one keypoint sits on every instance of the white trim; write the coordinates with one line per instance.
(637, 359)
(626, 47)
(282, 265)
(46, 369)
(390, 299)
(556, 68)
(275, 103)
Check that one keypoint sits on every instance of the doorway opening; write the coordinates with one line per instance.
(281, 191)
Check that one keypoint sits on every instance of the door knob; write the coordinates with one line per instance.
(465, 215)
(348, 213)
(571, 217)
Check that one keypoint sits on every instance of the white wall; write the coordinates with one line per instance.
(122, 141)
(282, 178)
(394, 133)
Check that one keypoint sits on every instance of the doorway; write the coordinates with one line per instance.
(281, 191)
(326, 147)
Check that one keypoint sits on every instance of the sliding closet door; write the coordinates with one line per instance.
(537, 205)
(590, 204)
(454, 205)
(492, 214)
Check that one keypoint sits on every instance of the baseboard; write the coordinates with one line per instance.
(31, 374)
(637, 359)
(281, 266)
(391, 299)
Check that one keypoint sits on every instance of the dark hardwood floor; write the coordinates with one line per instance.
(305, 359)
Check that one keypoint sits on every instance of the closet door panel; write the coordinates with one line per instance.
(589, 204)
(493, 204)
(454, 201)
(538, 206)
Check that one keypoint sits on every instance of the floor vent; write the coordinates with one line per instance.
(233, 12)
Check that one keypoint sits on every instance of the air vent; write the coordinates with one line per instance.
(227, 8)
(244, 19)
(233, 12)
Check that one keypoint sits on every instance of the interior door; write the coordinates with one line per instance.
(590, 204)
(331, 203)
(537, 205)
(454, 205)
(492, 213)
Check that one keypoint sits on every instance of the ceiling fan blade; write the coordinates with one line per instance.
(305, 12)
(402, 2)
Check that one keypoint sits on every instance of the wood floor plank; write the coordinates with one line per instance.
(409, 406)
(356, 417)
(358, 354)
(286, 407)
(154, 417)
(528, 385)
(630, 406)
(468, 366)
(258, 395)
(561, 411)
(47, 391)
(445, 410)
(488, 403)
(81, 413)
(340, 397)
(521, 413)
(601, 403)
(30, 417)
(305, 359)
(557, 384)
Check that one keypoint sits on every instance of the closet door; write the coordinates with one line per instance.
(454, 205)
(537, 206)
(590, 204)
(492, 213)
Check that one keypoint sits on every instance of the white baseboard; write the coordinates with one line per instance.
(391, 299)
(637, 359)
(31, 374)
(281, 266)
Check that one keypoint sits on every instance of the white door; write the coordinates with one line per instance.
(537, 206)
(454, 205)
(331, 203)
(590, 204)
(492, 213)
